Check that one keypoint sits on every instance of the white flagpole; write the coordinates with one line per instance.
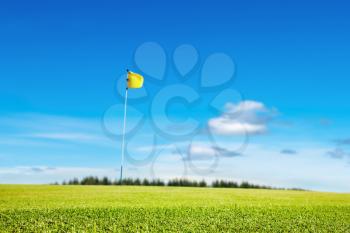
(123, 139)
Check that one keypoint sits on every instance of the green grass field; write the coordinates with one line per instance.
(25, 208)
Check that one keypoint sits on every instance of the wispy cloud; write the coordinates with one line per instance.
(343, 141)
(201, 151)
(41, 169)
(39, 130)
(155, 147)
(341, 149)
(338, 153)
(35, 121)
(246, 117)
(308, 169)
(289, 151)
(45, 175)
(73, 136)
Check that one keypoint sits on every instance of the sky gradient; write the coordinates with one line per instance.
(61, 90)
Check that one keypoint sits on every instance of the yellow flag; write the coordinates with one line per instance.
(134, 80)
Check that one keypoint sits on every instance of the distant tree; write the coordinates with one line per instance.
(245, 185)
(224, 184)
(202, 183)
(91, 180)
(145, 182)
(186, 183)
(106, 181)
(157, 182)
(75, 181)
(137, 181)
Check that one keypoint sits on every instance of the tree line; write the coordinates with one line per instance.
(93, 180)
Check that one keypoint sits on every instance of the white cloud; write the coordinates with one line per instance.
(248, 105)
(246, 117)
(227, 126)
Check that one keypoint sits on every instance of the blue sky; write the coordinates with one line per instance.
(62, 65)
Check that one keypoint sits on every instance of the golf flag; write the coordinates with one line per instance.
(134, 80)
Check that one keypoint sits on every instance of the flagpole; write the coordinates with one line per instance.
(123, 136)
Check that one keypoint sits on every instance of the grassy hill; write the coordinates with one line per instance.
(39, 208)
